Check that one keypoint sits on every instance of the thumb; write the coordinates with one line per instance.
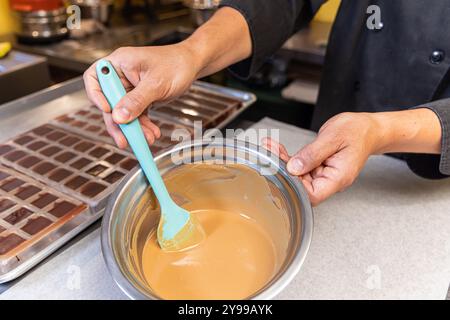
(311, 156)
(134, 103)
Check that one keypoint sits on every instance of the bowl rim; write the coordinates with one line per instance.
(275, 287)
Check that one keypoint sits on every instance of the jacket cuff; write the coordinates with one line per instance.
(442, 109)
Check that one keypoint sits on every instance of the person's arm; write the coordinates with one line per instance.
(244, 30)
(344, 143)
(161, 73)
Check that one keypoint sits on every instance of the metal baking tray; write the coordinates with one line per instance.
(35, 245)
(81, 173)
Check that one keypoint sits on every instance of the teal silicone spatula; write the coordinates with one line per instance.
(177, 229)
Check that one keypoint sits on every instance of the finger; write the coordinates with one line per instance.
(93, 90)
(320, 185)
(276, 148)
(145, 121)
(114, 131)
(312, 155)
(135, 102)
(149, 135)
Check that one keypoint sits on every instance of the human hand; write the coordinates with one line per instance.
(335, 158)
(149, 74)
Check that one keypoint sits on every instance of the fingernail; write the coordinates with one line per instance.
(123, 114)
(295, 166)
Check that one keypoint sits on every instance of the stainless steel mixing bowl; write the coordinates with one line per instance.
(126, 207)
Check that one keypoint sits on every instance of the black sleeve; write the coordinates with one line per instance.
(429, 165)
(271, 23)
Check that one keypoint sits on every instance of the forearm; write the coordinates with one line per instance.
(411, 131)
(222, 41)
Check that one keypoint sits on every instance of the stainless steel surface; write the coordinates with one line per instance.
(122, 209)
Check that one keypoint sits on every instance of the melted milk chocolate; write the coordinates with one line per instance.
(247, 235)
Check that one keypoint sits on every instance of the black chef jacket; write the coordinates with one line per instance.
(402, 63)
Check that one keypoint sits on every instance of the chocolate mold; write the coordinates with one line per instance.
(67, 162)
(33, 219)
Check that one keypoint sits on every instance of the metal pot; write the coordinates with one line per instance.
(123, 215)
(99, 10)
(43, 25)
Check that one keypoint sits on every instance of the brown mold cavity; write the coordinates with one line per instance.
(43, 130)
(9, 242)
(56, 135)
(5, 149)
(50, 151)
(69, 141)
(12, 184)
(114, 158)
(5, 204)
(64, 208)
(65, 156)
(98, 152)
(113, 177)
(92, 189)
(27, 192)
(80, 163)
(60, 174)
(23, 140)
(76, 182)
(29, 161)
(16, 155)
(44, 200)
(18, 215)
(37, 145)
(84, 146)
(44, 168)
(36, 225)
(96, 170)
(3, 175)
(129, 164)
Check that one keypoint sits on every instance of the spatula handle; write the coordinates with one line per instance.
(114, 90)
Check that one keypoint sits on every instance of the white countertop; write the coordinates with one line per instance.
(386, 237)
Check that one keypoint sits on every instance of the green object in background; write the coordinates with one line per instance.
(5, 48)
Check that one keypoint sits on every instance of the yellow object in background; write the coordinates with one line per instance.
(5, 47)
(7, 20)
(327, 12)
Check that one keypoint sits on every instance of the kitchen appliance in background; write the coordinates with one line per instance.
(95, 17)
(98, 10)
(201, 10)
(41, 21)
